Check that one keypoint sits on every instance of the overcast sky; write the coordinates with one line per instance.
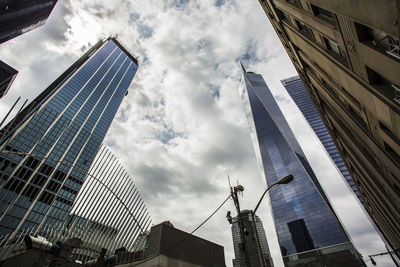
(181, 130)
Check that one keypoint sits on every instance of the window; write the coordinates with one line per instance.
(294, 2)
(389, 133)
(329, 89)
(357, 117)
(333, 46)
(386, 87)
(391, 152)
(282, 15)
(324, 14)
(379, 40)
(303, 28)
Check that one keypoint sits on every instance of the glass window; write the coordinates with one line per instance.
(306, 30)
(333, 46)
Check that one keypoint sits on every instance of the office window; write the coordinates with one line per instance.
(324, 14)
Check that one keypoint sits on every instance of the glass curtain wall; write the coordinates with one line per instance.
(307, 228)
(47, 149)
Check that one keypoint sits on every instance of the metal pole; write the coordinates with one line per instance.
(8, 113)
(239, 216)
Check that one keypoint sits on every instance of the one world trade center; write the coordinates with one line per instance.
(308, 230)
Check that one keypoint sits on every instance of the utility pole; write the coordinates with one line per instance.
(234, 194)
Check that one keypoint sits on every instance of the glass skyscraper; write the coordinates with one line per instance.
(250, 241)
(47, 149)
(296, 89)
(7, 77)
(20, 16)
(308, 230)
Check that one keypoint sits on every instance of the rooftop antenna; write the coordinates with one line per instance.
(241, 64)
(240, 192)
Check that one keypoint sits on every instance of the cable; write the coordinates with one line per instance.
(183, 239)
(211, 215)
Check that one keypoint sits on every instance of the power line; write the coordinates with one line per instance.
(209, 217)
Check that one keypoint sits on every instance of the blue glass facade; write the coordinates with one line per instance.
(7, 77)
(48, 149)
(304, 220)
(20, 16)
(296, 89)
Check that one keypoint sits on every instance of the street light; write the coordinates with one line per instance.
(384, 253)
(285, 180)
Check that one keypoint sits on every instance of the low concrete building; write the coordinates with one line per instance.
(167, 246)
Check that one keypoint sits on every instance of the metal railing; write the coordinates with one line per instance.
(394, 47)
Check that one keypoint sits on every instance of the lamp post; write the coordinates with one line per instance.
(384, 253)
(285, 180)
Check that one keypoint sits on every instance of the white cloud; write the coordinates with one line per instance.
(181, 129)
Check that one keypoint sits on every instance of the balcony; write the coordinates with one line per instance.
(379, 40)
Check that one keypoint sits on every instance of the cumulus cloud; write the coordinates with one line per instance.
(181, 129)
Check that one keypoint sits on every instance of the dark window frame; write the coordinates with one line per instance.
(333, 47)
(305, 29)
(383, 85)
(380, 41)
(324, 14)
(296, 3)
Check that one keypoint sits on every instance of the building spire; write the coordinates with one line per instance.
(241, 64)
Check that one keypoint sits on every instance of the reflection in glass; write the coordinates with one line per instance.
(304, 220)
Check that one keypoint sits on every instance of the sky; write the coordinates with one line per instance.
(181, 129)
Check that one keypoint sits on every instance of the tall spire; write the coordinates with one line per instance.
(241, 64)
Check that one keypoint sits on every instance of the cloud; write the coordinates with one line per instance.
(181, 129)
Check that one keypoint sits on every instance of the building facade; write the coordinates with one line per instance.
(108, 209)
(296, 89)
(307, 227)
(48, 148)
(7, 77)
(107, 215)
(348, 55)
(20, 16)
(250, 241)
(168, 246)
